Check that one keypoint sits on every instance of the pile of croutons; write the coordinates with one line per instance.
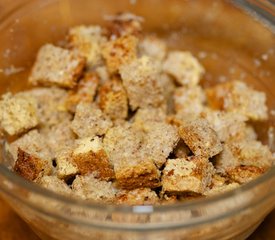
(114, 116)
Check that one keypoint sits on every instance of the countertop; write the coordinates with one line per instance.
(13, 228)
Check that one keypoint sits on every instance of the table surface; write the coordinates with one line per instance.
(13, 228)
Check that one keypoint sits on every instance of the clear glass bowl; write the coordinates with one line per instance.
(230, 43)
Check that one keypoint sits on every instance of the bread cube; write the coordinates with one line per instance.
(85, 92)
(153, 47)
(181, 150)
(54, 184)
(32, 143)
(113, 100)
(237, 97)
(87, 41)
(56, 66)
(184, 175)
(140, 79)
(139, 196)
(119, 52)
(90, 188)
(90, 121)
(200, 138)
(184, 67)
(149, 114)
(90, 157)
(31, 167)
(17, 113)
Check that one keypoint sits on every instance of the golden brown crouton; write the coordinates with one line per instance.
(54, 184)
(85, 92)
(90, 121)
(87, 41)
(149, 114)
(124, 24)
(189, 101)
(184, 175)
(119, 52)
(90, 157)
(56, 66)
(33, 143)
(153, 47)
(31, 167)
(200, 138)
(113, 100)
(184, 67)
(51, 107)
(237, 97)
(103, 74)
(139, 196)
(245, 174)
(17, 113)
(90, 188)
(140, 79)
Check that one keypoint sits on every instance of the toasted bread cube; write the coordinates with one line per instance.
(153, 47)
(237, 97)
(247, 133)
(103, 74)
(56, 66)
(65, 166)
(85, 92)
(139, 196)
(169, 87)
(184, 175)
(51, 107)
(226, 124)
(184, 67)
(159, 141)
(140, 79)
(33, 143)
(200, 138)
(251, 153)
(90, 188)
(113, 100)
(124, 24)
(87, 41)
(119, 52)
(30, 167)
(181, 150)
(90, 157)
(189, 101)
(245, 174)
(17, 113)
(54, 184)
(90, 121)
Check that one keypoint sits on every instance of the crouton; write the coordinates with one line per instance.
(200, 138)
(85, 92)
(90, 157)
(246, 133)
(17, 113)
(89, 121)
(124, 24)
(181, 150)
(140, 79)
(226, 124)
(56, 66)
(139, 196)
(113, 100)
(65, 166)
(184, 175)
(87, 41)
(33, 143)
(31, 167)
(237, 97)
(169, 87)
(90, 188)
(153, 46)
(149, 114)
(159, 141)
(184, 67)
(189, 101)
(54, 184)
(245, 174)
(103, 74)
(119, 52)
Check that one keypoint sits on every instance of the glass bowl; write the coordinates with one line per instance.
(231, 43)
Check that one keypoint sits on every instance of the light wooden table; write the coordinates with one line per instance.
(13, 228)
